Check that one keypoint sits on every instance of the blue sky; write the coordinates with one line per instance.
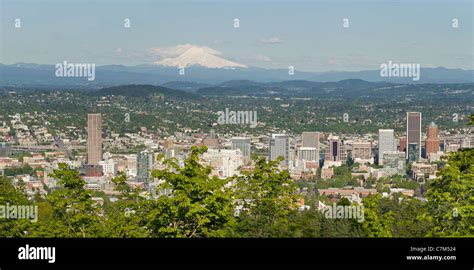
(273, 34)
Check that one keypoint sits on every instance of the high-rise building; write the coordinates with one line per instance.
(432, 140)
(334, 151)
(308, 153)
(94, 138)
(413, 152)
(362, 151)
(414, 131)
(310, 139)
(224, 162)
(280, 146)
(144, 165)
(403, 144)
(386, 143)
(109, 167)
(243, 144)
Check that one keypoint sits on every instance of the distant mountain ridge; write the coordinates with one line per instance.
(291, 88)
(137, 90)
(35, 75)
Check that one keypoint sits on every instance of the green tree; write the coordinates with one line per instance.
(451, 197)
(267, 199)
(340, 228)
(305, 223)
(408, 221)
(197, 205)
(126, 217)
(74, 213)
(376, 222)
(9, 195)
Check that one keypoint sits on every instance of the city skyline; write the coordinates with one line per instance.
(136, 123)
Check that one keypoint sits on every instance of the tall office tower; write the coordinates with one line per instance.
(413, 152)
(414, 130)
(144, 165)
(432, 140)
(386, 143)
(279, 146)
(310, 139)
(94, 138)
(243, 144)
(335, 151)
(403, 144)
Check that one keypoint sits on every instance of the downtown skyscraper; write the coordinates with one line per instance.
(432, 140)
(386, 143)
(279, 146)
(94, 138)
(309, 149)
(413, 133)
(243, 144)
(144, 165)
(335, 150)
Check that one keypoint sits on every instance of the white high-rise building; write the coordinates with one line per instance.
(224, 162)
(386, 143)
(243, 144)
(279, 146)
(109, 167)
(308, 154)
(145, 161)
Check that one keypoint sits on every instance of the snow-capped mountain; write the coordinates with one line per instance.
(199, 56)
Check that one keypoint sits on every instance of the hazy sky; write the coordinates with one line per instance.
(272, 34)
